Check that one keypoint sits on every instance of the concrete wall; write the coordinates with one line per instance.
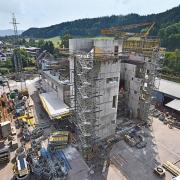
(83, 44)
(109, 87)
(51, 83)
(132, 85)
(109, 73)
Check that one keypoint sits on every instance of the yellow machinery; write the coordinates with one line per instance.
(28, 119)
(58, 139)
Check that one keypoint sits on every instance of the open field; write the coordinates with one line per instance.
(55, 40)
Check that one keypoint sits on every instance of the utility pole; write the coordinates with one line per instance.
(16, 58)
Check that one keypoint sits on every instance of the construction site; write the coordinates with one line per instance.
(90, 115)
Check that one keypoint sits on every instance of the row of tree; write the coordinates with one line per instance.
(170, 36)
(171, 64)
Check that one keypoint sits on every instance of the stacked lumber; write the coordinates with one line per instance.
(173, 169)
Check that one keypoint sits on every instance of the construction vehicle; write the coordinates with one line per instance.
(37, 132)
(21, 168)
(129, 140)
(27, 119)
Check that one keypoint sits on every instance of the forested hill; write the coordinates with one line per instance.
(91, 27)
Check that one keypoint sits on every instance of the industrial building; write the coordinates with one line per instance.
(168, 96)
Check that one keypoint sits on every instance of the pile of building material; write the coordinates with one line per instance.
(58, 140)
(50, 165)
(133, 139)
(173, 169)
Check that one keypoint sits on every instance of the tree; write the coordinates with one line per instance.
(46, 45)
(23, 56)
(32, 42)
(65, 41)
(41, 43)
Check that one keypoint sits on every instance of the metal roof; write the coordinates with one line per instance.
(170, 88)
(175, 104)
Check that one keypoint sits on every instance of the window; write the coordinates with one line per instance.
(114, 102)
(116, 50)
(113, 122)
(113, 79)
(56, 88)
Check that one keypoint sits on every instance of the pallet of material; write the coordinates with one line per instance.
(171, 168)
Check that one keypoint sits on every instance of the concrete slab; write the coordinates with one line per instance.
(162, 145)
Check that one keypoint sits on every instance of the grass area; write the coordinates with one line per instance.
(29, 69)
(103, 38)
(55, 40)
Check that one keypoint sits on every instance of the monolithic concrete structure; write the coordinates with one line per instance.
(95, 75)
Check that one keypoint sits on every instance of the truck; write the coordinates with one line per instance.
(21, 168)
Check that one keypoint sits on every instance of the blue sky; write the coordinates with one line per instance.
(42, 13)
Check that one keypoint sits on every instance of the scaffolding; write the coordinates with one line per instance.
(151, 73)
(87, 94)
(85, 100)
(147, 72)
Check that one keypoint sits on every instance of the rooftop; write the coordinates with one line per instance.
(175, 104)
(170, 88)
(55, 77)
